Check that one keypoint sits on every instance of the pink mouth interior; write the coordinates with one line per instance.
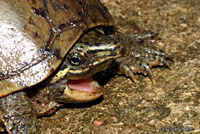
(81, 85)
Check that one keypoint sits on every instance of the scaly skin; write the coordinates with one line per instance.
(17, 114)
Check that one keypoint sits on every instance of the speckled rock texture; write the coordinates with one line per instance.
(172, 104)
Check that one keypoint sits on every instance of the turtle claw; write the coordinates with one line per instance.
(128, 72)
(166, 64)
(148, 71)
(130, 69)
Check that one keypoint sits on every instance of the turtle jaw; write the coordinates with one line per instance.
(73, 94)
(78, 87)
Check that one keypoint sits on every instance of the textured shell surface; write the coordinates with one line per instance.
(36, 36)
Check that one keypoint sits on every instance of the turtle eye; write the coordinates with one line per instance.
(75, 59)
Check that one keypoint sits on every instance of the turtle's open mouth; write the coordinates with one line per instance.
(86, 85)
(82, 90)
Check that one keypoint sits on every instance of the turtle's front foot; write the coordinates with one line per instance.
(139, 55)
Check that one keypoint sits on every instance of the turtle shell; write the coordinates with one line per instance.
(35, 36)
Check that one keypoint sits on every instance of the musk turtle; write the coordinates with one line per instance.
(49, 50)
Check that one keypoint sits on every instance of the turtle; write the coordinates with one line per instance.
(50, 50)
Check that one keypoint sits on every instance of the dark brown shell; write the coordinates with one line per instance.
(35, 35)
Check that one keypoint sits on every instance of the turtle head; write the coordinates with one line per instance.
(93, 53)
